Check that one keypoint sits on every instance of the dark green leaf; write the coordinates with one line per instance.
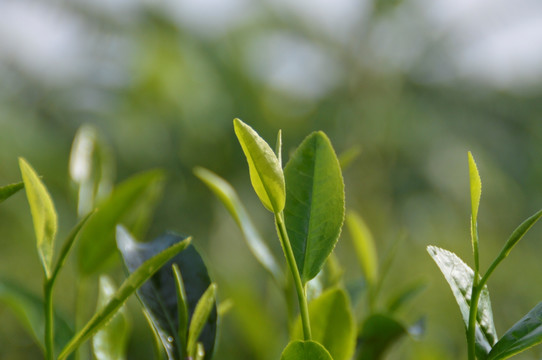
(524, 334)
(29, 310)
(332, 324)
(97, 240)
(460, 276)
(159, 295)
(378, 333)
(7, 190)
(109, 343)
(43, 214)
(519, 232)
(128, 287)
(265, 171)
(314, 211)
(305, 350)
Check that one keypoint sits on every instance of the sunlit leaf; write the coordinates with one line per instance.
(137, 278)
(109, 343)
(7, 191)
(314, 211)
(332, 324)
(475, 187)
(201, 316)
(524, 334)
(228, 196)
(264, 166)
(305, 350)
(364, 245)
(97, 240)
(43, 214)
(159, 294)
(182, 311)
(378, 333)
(460, 277)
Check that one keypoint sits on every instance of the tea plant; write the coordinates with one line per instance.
(470, 290)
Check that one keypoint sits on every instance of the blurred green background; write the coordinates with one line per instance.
(413, 84)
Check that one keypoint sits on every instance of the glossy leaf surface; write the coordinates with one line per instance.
(109, 343)
(43, 214)
(265, 171)
(137, 278)
(305, 350)
(332, 324)
(314, 211)
(159, 294)
(7, 191)
(379, 332)
(364, 245)
(459, 277)
(97, 240)
(229, 198)
(524, 334)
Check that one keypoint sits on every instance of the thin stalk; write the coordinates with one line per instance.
(290, 259)
(49, 319)
(475, 293)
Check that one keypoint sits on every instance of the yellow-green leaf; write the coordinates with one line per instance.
(364, 246)
(305, 350)
(43, 214)
(265, 171)
(475, 187)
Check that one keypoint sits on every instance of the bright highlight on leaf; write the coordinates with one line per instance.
(364, 246)
(265, 170)
(43, 214)
(475, 187)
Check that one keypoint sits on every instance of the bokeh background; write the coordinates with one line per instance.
(412, 84)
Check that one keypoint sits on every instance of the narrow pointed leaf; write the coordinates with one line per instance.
(278, 147)
(43, 214)
(405, 295)
(363, 245)
(109, 343)
(97, 240)
(229, 198)
(475, 187)
(265, 171)
(378, 333)
(305, 350)
(518, 233)
(332, 324)
(200, 317)
(182, 311)
(524, 334)
(29, 310)
(7, 191)
(460, 277)
(347, 157)
(159, 294)
(314, 211)
(137, 278)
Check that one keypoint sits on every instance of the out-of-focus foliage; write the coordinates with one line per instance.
(414, 83)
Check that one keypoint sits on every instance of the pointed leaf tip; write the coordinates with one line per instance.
(475, 187)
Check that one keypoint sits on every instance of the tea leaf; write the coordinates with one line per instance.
(229, 198)
(475, 187)
(278, 147)
(128, 287)
(29, 309)
(305, 350)
(524, 334)
(364, 245)
(314, 210)
(109, 343)
(405, 295)
(7, 191)
(201, 317)
(460, 277)
(159, 294)
(265, 171)
(518, 233)
(182, 311)
(378, 333)
(97, 240)
(332, 324)
(347, 157)
(43, 214)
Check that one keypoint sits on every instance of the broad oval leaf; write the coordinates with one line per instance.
(305, 350)
(137, 278)
(314, 211)
(7, 191)
(524, 334)
(159, 294)
(265, 171)
(43, 214)
(97, 239)
(228, 196)
(364, 246)
(109, 343)
(332, 324)
(460, 277)
(378, 333)
(29, 310)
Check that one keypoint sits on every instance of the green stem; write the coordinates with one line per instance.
(290, 259)
(473, 312)
(49, 319)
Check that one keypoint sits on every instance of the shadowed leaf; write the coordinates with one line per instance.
(7, 191)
